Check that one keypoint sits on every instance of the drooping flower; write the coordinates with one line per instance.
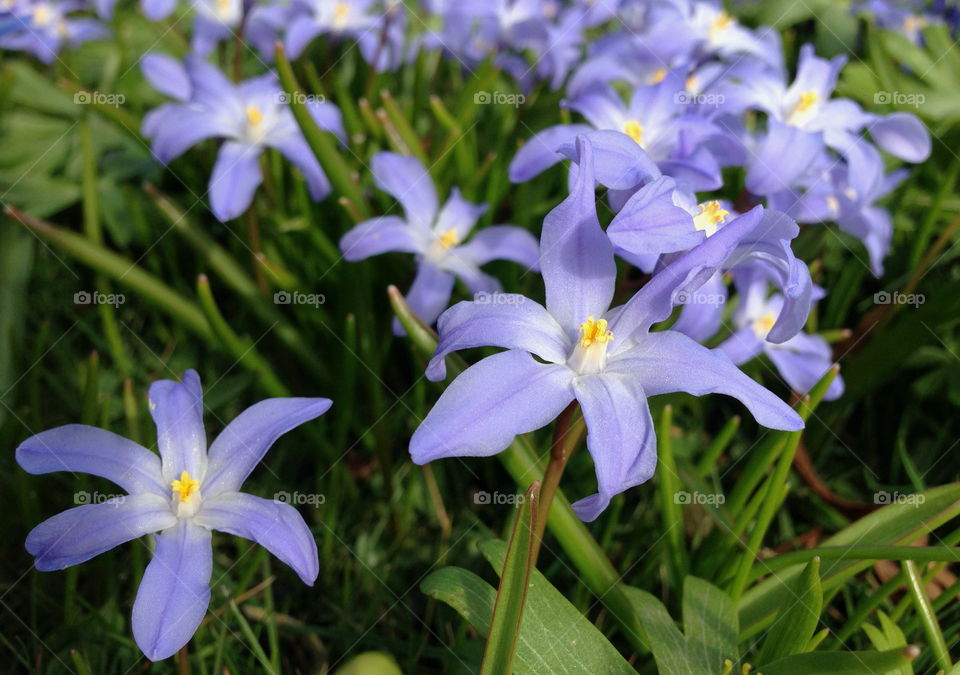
(437, 236)
(578, 348)
(250, 116)
(182, 495)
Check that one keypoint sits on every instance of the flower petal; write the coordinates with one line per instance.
(243, 443)
(505, 320)
(742, 346)
(379, 235)
(576, 256)
(619, 161)
(429, 295)
(236, 176)
(177, 410)
(296, 150)
(502, 242)
(410, 184)
(459, 215)
(802, 361)
(651, 224)
(784, 154)
(167, 75)
(276, 526)
(84, 449)
(668, 362)
(489, 403)
(175, 591)
(80, 533)
(902, 135)
(542, 151)
(620, 437)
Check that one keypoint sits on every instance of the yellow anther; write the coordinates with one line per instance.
(634, 130)
(763, 325)
(254, 116)
(913, 23)
(449, 238)
(808, 99)
(720, 24)
(594, 331)
(658, 75)
(340, 12)
(41, 15)
(186, 487)
(710, 215)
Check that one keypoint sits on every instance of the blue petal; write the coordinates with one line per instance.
(175, 591)
(620, 437)
(458, 214)
(619, 163)
(80, 533)
(802, 361)
(157, 10)
(276, 526)
(82, 449)
(295, 149)
(542, 151)
(379, 235)
(902, 135)
(784, 155)
(167, 75)
(651, 224)
(489, 403)
(429, 295)
(502, 242)
(742, 346)
(410, 184)
(243, 443)
(235, 178)
(177, 410)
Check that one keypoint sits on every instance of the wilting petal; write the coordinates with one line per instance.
(668, 362)
(502, 242)
(276, 526)
(167, 75)
(576, 256)
(458, 215)
(504, 320)
(236, 176)
(80, 533)
(619, 436)
(175, 591)
(243, 443)
(902, 135)
(542, 151)
(84, 449)
(177, 410)
(489, 404)
(784, 154)
(429, 295)
(410, 184)
(802, 361)
(379, 235)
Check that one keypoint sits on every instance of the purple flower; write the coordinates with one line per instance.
(251, 116)
(802, 360)
(155, 10)
(436, 236)
(182, 495)
(578, 348)
(41, 27)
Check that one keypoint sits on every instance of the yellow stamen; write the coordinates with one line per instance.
(912, 23)
(692, 83)
(449, 238)
(41, 15)
(808, 99)
(720, 24)
(634, 130)
(658, 75)
(340, 12)
(710, 215)
(594, 331)
(186, 487)
(254, 116)
(763, 325)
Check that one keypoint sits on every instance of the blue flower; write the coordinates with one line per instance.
(182, 495)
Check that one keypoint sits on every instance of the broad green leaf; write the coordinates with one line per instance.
(667, 643)
(796, 621)
(842, 663)
(554, 637)
(709, 622)
(899, 523)
(512, 593)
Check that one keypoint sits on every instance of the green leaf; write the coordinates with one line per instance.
(898, 523)
(512, 593)
(797, 621)
(554, 636)
(842, 663)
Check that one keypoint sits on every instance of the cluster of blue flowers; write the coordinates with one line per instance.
(673, 93)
